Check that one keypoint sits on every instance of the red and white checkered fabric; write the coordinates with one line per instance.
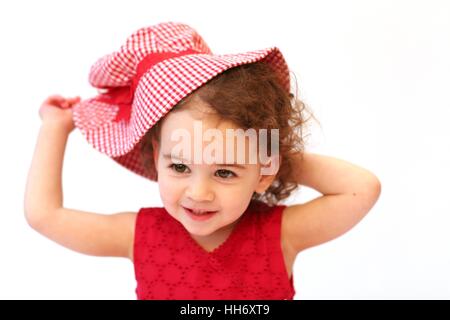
(155, 68)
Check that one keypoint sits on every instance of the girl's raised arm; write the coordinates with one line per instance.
(84, 232)
(349, 192)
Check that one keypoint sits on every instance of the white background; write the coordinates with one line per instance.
(376, 74)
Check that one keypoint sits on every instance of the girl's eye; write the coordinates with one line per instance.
(178, 167)
(222, 173)
(226, 173)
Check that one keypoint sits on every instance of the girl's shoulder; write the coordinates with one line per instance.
(147, 214)
(268, 217)
(150, 210)
(258, 206)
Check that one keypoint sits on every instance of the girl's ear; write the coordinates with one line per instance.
(264, 182)
(265, 179)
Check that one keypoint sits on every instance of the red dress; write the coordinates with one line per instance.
(249, 265)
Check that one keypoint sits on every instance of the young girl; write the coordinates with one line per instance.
(223, 232)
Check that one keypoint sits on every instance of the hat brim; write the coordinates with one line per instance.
(158, 91)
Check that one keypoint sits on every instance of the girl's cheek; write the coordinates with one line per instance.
(170, 189)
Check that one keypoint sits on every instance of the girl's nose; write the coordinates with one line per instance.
(200, 191)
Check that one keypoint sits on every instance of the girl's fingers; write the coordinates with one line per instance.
(55, 98)
(59, 101)
(70, 102)
(73, 101)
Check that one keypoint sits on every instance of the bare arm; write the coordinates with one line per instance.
(84, 232)
(349, 192)
(44, 186)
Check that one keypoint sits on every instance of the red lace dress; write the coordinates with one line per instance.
(170, 265)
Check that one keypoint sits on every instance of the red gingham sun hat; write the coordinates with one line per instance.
(156, 68)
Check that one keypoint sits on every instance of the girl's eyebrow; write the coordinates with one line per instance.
(235, 165)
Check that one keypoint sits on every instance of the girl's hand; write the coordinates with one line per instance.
(58, 110)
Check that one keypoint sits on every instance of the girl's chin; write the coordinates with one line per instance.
(197, 228)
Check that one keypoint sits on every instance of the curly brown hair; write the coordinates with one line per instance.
(251, 96)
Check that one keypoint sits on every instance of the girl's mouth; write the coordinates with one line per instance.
(199, 215)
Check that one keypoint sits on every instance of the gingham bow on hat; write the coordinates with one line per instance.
(156, 68)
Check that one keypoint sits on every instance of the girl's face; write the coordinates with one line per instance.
(184, 184)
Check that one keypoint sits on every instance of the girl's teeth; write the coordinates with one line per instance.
(200, 212)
